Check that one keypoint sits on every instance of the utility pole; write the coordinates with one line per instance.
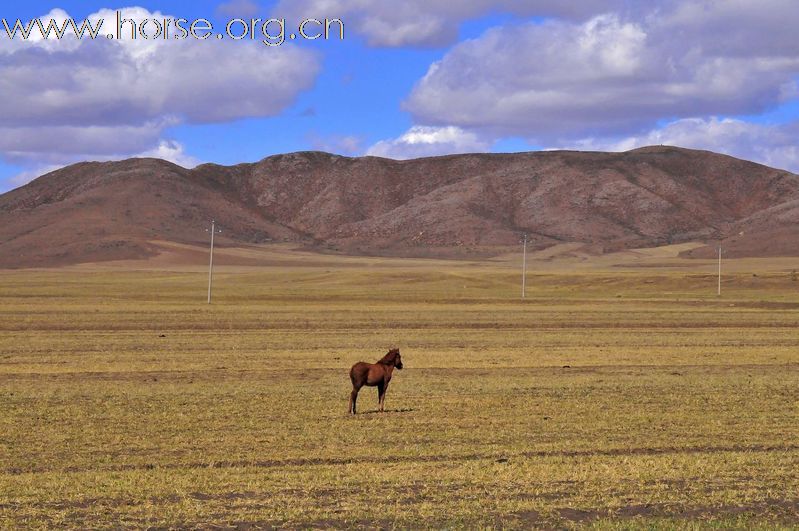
(718, 293)
(213, 231)
(524, 267)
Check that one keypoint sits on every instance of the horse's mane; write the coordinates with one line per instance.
(388, 359)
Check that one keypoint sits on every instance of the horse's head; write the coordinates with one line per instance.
(397, 358)
(392, 358)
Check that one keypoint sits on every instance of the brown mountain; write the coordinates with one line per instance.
(462, 204)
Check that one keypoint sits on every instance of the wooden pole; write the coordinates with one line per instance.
(524, 268)
(211, 263)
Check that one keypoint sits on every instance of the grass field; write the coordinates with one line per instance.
(610, 397)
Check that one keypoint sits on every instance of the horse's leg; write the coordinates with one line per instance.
(353, 400)
(383, 400)
(381, 393)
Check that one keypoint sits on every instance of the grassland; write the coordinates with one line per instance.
(610, 397)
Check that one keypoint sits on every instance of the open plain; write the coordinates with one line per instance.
(621, 393)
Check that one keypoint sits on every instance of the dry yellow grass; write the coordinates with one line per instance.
(615, 396)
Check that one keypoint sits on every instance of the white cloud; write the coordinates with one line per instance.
(772, 145)
(428, 22)
(616, 73)
(54, 144)
(421, 141)
(173, 152)
(73, 99)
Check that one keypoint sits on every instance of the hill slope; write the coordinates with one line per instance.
(478, 203)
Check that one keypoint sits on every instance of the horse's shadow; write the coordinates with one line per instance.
(375, 411)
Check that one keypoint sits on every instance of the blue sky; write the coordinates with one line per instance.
(410, 79)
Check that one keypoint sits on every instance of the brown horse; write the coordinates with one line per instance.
(374, 374)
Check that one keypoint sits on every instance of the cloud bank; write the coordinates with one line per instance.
(82, 99)
(608, 75)
(421, 141)
(773, 145)
(679, 72)
(429, 23)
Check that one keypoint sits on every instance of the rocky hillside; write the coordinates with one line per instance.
(462, 204)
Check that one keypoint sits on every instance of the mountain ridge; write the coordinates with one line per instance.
(464, 205)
